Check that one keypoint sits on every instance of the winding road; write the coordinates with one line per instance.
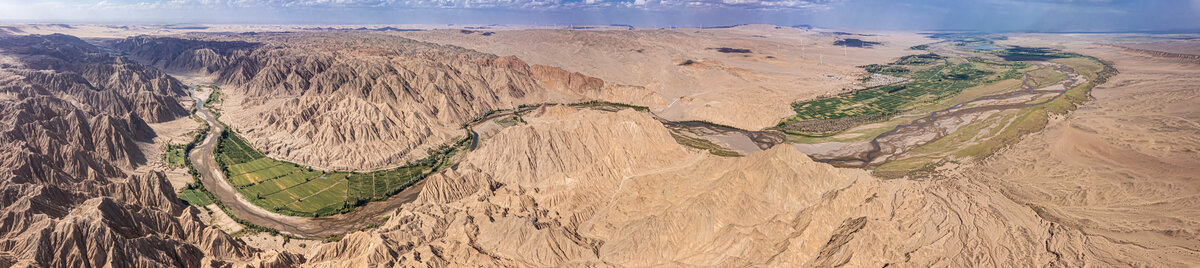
(214, 180)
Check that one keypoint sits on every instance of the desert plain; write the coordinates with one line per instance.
(534, 146)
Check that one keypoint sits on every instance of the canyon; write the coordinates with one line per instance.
(585, 147)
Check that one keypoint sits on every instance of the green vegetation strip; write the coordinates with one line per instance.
(195, 187)
(174, 157)
(195, 197)
(938, 82)
(605, 103)
(290, 189)
(703, 144)
(1023, 122)
(195, 194)
(930, 84)
(934, 78)
(1035, 118)
(214, 97)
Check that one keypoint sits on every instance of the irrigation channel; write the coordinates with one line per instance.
(896, 141)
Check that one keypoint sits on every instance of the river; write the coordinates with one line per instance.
(214, 180)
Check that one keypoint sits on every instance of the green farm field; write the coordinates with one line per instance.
(936, 80)
(195, 197)
(174, 156)
(980, 139)
(943, 80)
(290, 189)
(995, 87)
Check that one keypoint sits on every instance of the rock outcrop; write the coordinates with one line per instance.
(101, 83)
(353, 100)
(71, 117)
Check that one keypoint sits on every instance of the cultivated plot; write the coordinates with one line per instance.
(290, 189)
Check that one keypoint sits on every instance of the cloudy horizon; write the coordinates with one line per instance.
(988, 15)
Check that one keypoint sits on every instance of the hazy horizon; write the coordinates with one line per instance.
(991, 15)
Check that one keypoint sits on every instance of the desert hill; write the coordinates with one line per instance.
(62, 93)
(70, 120)
(356, 100)
(583, 187)
(1122, 167)
(1110, 184)
(745, 76)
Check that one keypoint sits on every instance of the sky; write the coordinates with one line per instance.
(978, 15)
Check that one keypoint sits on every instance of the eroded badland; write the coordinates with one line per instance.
(506, 146)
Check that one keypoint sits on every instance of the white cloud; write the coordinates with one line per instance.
(739, 2)
(513, 4)
(17, 8)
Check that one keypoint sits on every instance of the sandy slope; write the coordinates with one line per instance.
(360, 100)
(1121, 168)
(580, 188)
(1110, 184)
(74, 193)
(747, 90)
(1105, 186)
